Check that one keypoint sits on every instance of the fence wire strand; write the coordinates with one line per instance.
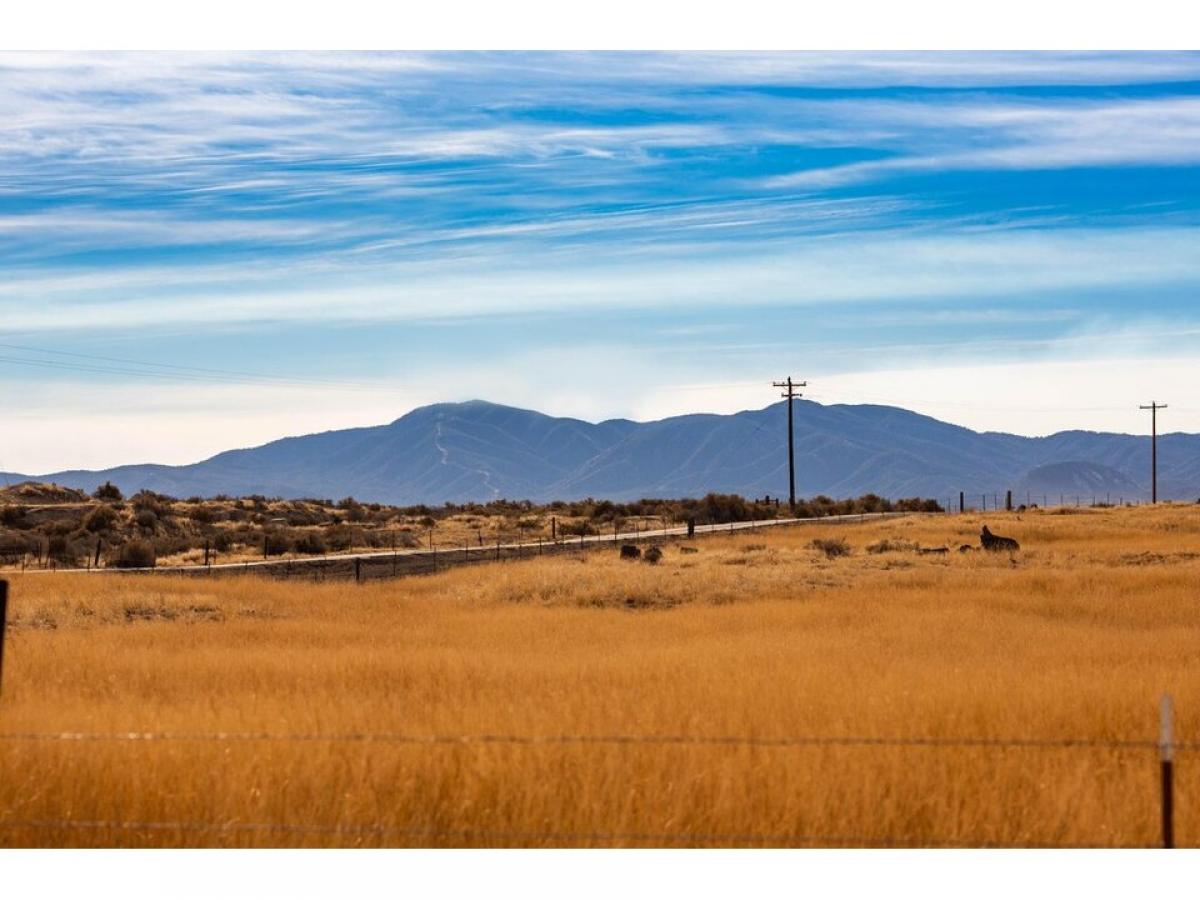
(586, 739)
(527, 837)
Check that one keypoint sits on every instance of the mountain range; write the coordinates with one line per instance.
(478, 451)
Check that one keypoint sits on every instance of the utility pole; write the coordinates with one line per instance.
(1154, 407)
(791, 395)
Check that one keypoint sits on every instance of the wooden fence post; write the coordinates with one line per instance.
(358, 568)
(962, 502)
(1008, 502)
(3, 625)
(1166, 755)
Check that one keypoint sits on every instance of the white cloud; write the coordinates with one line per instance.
(879, 266)
(1016, 135)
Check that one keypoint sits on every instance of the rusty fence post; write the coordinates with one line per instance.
(3, 625)
(1166, 757)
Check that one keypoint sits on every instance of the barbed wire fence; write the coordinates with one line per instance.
(1166, 751)
(1166, 748)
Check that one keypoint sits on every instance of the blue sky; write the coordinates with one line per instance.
(205, 251)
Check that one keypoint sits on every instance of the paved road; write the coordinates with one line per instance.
(475, 553)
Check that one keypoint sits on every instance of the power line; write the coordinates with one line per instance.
(1154, 407)
(791, 394)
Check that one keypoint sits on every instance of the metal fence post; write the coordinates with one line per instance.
(3, 625)
(1166, 756)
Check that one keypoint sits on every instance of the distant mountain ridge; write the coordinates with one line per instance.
(478, 451)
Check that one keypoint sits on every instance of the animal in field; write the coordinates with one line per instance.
(629, 551)
(652, 555)
(997, 543)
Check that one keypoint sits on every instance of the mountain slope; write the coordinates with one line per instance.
(480, 451)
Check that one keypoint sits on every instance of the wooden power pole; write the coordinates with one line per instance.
(1154, 408)
(791, 394)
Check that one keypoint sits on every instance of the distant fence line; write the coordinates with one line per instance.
(377, 564)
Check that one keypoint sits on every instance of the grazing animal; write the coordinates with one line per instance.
(689, 549)
(926, 551)
(967, 548)
(652, 555)
(628, 551)
(996, 542)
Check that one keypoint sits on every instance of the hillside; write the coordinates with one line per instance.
(478, 451)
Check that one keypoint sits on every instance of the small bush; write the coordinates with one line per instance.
(108, 492)
(891, 546)
(12, 516)
(146, 518)
(831, 547)
(223, 541)
(102, 518)
(135, 555)
(202, 513)
(311, 542)
(276, 543)
(339, 537)
(576, 528)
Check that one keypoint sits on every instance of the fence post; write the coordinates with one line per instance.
(1166, 755)
(691, 526)
(205, 553)
(554, 529)
(358, 568)
(3, 625)
(962, 502)
(1008, 502)
(96, 564)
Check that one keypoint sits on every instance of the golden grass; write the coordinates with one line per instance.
(755, 636)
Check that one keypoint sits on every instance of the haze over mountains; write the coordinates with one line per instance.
(479, 451)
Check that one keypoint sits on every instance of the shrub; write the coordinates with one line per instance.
(831, 547)
(145, 518)
(339, 537)
(276, 543)
(223, 541)
(135, 555)
(102, 518)
(108, 492)
(891, 545)
(12, 516)
(202, 513)
(152, 502)
(311, 542)
(576, 528)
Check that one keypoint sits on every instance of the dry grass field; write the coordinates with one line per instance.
(755, 636)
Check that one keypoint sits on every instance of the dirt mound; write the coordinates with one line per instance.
(33, 493)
